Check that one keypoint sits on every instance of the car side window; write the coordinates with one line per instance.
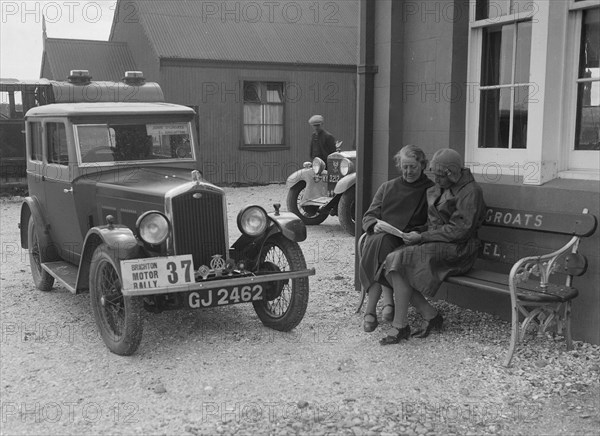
(56, 138)
(35, 132)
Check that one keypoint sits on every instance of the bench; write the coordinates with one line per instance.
(518, 258)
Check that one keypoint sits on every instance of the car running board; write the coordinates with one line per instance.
(64, 272)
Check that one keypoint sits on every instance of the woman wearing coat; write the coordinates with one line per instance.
(400, 203)
(447, 247)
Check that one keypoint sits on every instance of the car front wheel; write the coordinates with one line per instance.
(285, 301)
(118, 318)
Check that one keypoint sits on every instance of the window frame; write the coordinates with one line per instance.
(264, 147)
(546, 156)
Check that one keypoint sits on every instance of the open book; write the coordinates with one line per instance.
(391, 229)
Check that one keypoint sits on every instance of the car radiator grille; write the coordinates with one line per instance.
(199, 226)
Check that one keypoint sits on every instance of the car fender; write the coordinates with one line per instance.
(286, 223)
(289, 225)
(32, 207)
(120, 240)
(300, 175)
(314, 188)
(345, 183)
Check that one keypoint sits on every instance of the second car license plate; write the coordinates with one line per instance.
(225, 296)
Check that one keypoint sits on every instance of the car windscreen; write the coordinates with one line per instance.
(118, 142)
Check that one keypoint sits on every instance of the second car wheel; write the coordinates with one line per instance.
(347, 210)
(118, 317)
(38, 253)
(308, 214)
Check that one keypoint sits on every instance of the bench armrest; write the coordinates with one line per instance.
(542, 266)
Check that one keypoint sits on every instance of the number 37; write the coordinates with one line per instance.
(184, 269)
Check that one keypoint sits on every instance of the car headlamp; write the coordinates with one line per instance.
(318, 165)
(152, 227)
(252, 220)
(346, 167)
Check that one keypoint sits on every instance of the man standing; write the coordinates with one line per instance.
(322, 143)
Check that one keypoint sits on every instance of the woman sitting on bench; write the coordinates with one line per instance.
(399, 204)
(447, 247)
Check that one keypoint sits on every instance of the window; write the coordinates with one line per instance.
(504, 86)
(263, 114)
(132, 141)
(35, 132)
(57, 143)
(587, 128)
(534, 76)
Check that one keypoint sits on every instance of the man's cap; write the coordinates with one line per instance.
(316, 119)
(447, 159)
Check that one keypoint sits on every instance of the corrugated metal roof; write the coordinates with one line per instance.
(104, 60)
(306, 32)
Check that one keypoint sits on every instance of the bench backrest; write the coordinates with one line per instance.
(508, 235)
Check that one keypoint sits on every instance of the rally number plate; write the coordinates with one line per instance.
(157, 272)
(225, 296)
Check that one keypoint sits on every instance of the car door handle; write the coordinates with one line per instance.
(68, 191)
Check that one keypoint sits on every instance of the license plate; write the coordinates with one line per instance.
(157, 272)
(334, 178)
(225, 296)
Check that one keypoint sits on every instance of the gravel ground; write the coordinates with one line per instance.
(219, 371)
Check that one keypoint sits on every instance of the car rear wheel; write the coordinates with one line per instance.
(285, 301)
(38, 252)
(118, 318)
(347, 210)
(308, 214)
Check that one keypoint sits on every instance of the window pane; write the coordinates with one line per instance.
(35, 129)
(497, 56)
(589, 62)
(587, 130)
(587, 135)
(275, 93)
(520, 115)
(523, 55)
(494, 118)
(251, 92)
(57, 143)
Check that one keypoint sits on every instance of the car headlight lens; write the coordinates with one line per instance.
(153, 227)
(345, 167)
(318, 165)
(252, 220)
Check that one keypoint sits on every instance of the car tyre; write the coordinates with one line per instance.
(308, 215)
(347, 210)
(285, 301)
(38, 253)
(119, 318)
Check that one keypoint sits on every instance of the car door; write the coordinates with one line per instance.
(59, 203)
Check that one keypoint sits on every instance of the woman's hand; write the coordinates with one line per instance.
(412, 238)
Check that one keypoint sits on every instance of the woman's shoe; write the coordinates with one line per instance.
(387, 313)
(369, 326)
(433, 324)
(403, 333)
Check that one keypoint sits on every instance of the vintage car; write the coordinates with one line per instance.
(319, 190)
(117, 207)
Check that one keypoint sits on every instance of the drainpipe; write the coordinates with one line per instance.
(364, 115)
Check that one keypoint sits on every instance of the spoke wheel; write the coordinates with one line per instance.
(308, 214)
(37, 255)
(118, 317)
(285, 301)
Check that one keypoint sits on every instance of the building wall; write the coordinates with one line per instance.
(560, 196)
(217, 92)
(131, 31)
(423, 101)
